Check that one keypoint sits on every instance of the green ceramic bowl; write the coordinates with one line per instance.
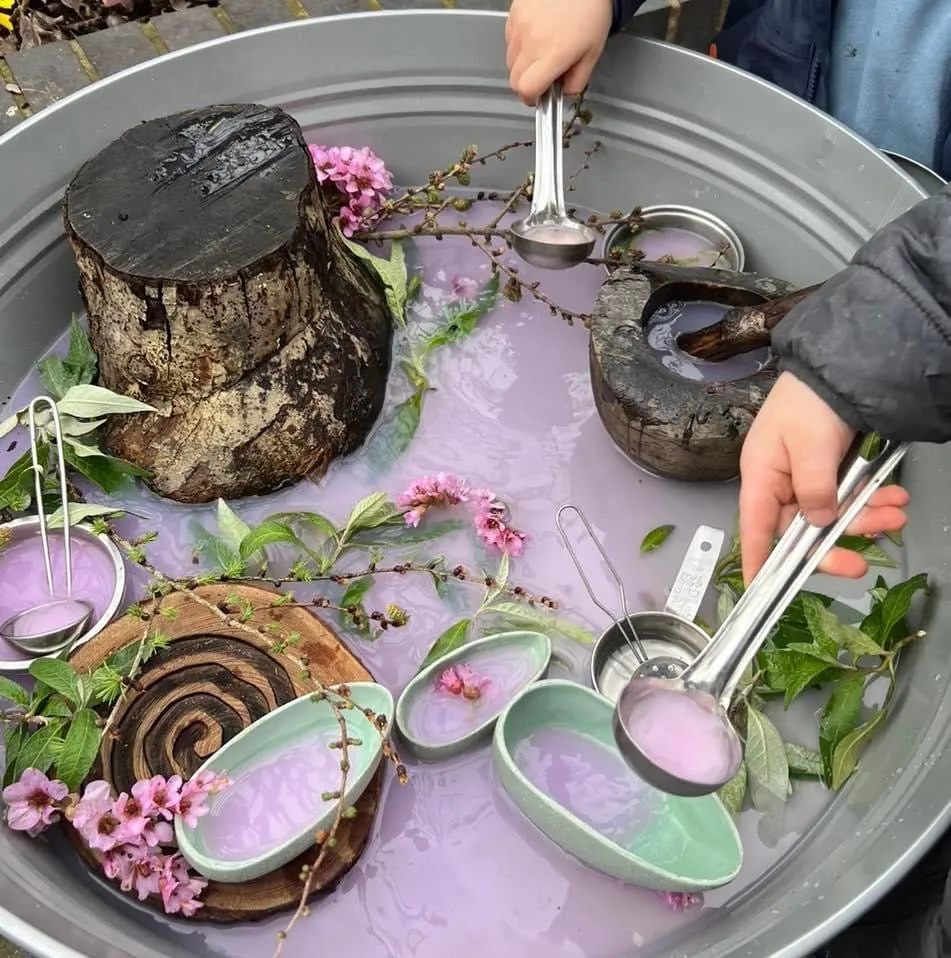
(212, 846)
(667, 843)
(436, 726)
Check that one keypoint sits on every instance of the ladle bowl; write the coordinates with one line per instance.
(32, 632)
(552, 244)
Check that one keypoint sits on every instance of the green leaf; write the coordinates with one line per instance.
(793, 626)
(356, 591)
(60, 676)
(314, 519)
(792, 671)
(453, 638)
(726, 599)
(57, 707)
(845, 759)
(38, 751)
(766, 762)
(370, 512)
(460, 318)
(55, 378)
(231, 527)
(525, 615)
(885, 623)
(107, 472)
(656, 538)
(268, 533)
(215, 552)
(10, 691)
(16, 487)
(9, 424)
(871, 446)
(869, 550)
(91, 402)
(399, 534)
(733, 794)
(81, 512)
(77, 427)
(839, 718)
(395, 432)
(78, 367)
(79, 750)
(803, 762)
(831, 633)
(392, 273)
(13, 740)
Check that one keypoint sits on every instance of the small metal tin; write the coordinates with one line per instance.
(670, 215)
(26, 528)
(662, 634)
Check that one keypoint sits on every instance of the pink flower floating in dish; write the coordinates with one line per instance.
(462, 681)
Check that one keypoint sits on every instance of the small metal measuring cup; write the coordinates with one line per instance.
(711, 679)
(548, 237)
(670, 633)
(28, 630)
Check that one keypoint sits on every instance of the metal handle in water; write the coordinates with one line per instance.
(696, 571)
(719, 667)
(548, 187)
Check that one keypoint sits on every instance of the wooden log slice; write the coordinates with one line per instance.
(673, 427)
(212, 682)
(220, 293)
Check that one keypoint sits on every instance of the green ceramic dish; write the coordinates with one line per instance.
(685, 844)
(290, 727)
(436, 725)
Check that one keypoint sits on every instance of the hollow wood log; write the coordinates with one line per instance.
(220, 292)
(211, 682)
(742, 329)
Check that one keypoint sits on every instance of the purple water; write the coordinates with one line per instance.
(670, 320)
(23, 579)
(271, 800)
(684, 246)
(436, 716)
(51, 616)
(451, 866)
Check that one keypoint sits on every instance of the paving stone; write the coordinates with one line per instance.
(330, 8)
(118, 48)
(249, 14)
(10, 115)
(46, 74)
(188, 27)
(413, 4)
(481, 4)
(9, 951)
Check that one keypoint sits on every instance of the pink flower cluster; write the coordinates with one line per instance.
(680, 900)
(359, 176)
(128, 832)
(461, 680)
(445, 490)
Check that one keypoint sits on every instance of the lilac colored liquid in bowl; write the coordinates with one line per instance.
(451, 866)
(684, 246)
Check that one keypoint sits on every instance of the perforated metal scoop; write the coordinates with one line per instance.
(711, 679)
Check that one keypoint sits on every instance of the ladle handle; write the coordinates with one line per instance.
(718, 669)
(548, 187)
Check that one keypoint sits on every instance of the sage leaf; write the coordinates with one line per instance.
(733, 794)
(516, 612)
(356, 591)
(91, 402)
(107, 472)
(268, 533)
(395, 433)
(54, 376)
(231, 527)
(803, 762)
(831, 633)
(839, 718)
(78, 367)
(792, 671)
(79, 750)
(869, 550)
(9, 424)
(845, 759)
(72, 427)
(766, 762)
(16, 487)
(38, 750)
(885, 622)
(453, 638)
(81, 512)
(57, 707)
(11, 691)
(392, 274)
(60, 676)
(369, 513)
(793, 626)
(656, 538)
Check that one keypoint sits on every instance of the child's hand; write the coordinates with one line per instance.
(547, 40)
(790, 461)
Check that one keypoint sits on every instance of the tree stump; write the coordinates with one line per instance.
(211, 682)
(220, 292)
(673, 427)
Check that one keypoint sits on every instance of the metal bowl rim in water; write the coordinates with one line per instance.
(18, 529)
(691, 218)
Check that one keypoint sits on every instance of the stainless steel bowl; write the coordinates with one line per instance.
(20, 529)
(698, 221)
(662, 634)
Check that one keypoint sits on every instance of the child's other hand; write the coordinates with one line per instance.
(547, 40)
(790, 462)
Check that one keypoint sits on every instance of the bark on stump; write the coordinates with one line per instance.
(219, 292)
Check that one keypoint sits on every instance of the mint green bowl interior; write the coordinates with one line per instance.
(689, 844)
(285, 727)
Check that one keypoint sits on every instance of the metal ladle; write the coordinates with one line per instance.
(27, 630)
(548, 237)
(711, 679)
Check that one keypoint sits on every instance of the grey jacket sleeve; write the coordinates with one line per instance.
(875, 340)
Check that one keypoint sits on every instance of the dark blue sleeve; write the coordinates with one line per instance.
(624, 11)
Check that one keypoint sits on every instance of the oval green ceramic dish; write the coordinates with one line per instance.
(685, 844)
(293, 726)
(435, 724)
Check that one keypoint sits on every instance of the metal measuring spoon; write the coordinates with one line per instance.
(548, 237)
(30, 630)
(710, 681)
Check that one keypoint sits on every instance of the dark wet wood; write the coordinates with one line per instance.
(212, 682)
(220, 293)
(742, 329)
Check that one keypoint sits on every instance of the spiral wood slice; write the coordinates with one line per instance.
(213, 681)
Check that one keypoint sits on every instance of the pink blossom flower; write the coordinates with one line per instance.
(137, 868)
(680, 900)
(95, 818)
(350, 222)
(491, 528)
(191, 804)
(33, 802)
(442, 489)
(462, 680)
(464, 287)
(158, 796)
(360, 178)
(132, 820)
(178, 889)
